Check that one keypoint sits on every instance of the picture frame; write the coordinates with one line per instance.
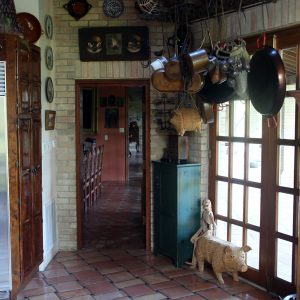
(50, 119)
(114, 43)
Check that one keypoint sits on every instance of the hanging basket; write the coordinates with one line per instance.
(7, 16)
(186, 119)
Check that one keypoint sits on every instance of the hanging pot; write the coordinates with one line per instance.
(163, 84)
(7, 16)
(216, 93)
(173, 69)
(159, 64)
(197, 60)
(266, 81)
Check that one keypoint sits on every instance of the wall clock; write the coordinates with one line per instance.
(48, 27)
(49, 58)
(113, 8)
(49, 89)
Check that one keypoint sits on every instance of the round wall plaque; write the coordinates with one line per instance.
(49, 58)
(48, 27)
(49, 89)
(113, 8)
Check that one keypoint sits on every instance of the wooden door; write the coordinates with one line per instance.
(26, 196)
(36, 191)
(112, 133)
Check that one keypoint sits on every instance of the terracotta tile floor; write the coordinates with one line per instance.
(114, 264)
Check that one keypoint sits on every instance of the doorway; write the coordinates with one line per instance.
(109, 104)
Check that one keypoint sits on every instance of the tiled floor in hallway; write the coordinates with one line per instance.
(114, 264)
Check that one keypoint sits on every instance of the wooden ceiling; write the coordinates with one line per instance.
(193, 10)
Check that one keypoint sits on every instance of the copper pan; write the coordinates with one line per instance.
(163, 84)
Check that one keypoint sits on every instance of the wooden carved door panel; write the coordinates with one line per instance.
(23, 76)
(25, 200)
(36, 190)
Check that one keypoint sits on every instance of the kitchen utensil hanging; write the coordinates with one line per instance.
(266, 80)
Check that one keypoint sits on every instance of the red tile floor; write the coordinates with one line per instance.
(115, 265)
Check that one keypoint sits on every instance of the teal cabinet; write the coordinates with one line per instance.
(176, 190)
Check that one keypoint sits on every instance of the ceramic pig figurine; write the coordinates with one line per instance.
(186, 119)
(222, 255)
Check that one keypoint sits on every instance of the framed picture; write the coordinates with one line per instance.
(114, 43)
(50, 119)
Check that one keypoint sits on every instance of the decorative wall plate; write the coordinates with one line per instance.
(77, 8)
(48, 27)
(49, 89)
(29, 26)
(49, 58)
(113, 8)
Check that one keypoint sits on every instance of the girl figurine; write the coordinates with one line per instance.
(207, 228)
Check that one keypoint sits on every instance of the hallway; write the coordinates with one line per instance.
(114, 264)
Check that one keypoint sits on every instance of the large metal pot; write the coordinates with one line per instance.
(266, 81)
(197, 60)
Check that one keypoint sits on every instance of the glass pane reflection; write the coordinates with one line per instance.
(222, 162)
(254, 163)
(239, 118)
(287, 119)
(284, 260)
(285, 211)
(237, 235)
(237, 202)
(254, 196)
(223, 121)
(221, 230)
(222, 198)
(238, 153)
(286, 166)
(253, 255)
(255, 126)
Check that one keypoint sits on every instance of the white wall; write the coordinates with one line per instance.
(40, 8)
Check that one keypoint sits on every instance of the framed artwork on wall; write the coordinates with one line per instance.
(50, 119)
(114, 43)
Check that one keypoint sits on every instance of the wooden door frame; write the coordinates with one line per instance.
(125, 83)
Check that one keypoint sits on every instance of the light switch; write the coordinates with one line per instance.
(105, 137)
(121, 130)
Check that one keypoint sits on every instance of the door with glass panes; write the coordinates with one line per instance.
(254, 184)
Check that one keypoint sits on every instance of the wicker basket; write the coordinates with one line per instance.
(186, 119)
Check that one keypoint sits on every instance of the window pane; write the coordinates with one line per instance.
(222, 168)
(254, 164)
(286, 166)
(238, 153)
(239, 118)
(222, 198)
(285, 213)
(253, 255)
(223, 121)
(253, 206)
(284, 260)
(221, 230)
(255, 126)
(289, 57)
(287, 119)
(237, 202)
(237, 235)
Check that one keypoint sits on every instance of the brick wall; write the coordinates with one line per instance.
(68, 69)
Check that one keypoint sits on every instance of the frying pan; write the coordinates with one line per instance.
(266, 81)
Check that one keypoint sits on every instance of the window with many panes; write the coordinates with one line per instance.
(254, 180)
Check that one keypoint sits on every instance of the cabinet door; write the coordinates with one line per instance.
(36, 96)
(26, 203)
(36, 190)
